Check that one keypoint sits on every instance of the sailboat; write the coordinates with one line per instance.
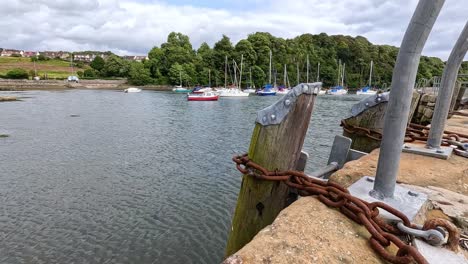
(72, 77)
(267, 89)
(339, 89)
(251, 88)
(367, 90)
(235, 92)
(321, 92)
(179, 88)
(284, 89)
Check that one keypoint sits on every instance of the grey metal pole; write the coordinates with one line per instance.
(403, 80)
(447, 85)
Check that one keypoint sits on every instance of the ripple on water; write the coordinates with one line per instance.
(140, 178)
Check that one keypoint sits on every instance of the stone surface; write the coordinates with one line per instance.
(309, 232)
(451, 174)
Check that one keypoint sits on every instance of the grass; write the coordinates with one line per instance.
(55, 68)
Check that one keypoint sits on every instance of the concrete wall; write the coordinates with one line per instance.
(425, 109)
(10, 84)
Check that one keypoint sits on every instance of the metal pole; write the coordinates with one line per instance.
(403, 80)
(318, 72)
(447, 85)
(307, 75)
(269, 77)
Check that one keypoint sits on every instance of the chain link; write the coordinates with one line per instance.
(413, 132)
(367, 214)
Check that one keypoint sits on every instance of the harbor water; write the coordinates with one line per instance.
(99, 176)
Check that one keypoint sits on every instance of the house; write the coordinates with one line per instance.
(11, 52)
(30, 54)
(56, 54)
(135, 58)
(84, 57)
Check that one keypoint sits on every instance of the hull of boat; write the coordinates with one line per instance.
(132, 90)
(322, 92)
(181, 90)
(339, 92)
(282, 92)
(249, 91)
(366, 93)
(202, 98)
(233, 93)
(266, 93)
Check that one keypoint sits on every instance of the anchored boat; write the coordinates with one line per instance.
(366, 91)
(267, 90)
(206, 96)
(337, 90)
(132, 90)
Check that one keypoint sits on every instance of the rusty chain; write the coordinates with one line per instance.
(360, 211)
(413, 132)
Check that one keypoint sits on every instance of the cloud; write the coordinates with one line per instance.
(134, 27)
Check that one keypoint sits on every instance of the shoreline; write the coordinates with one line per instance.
(97, 84)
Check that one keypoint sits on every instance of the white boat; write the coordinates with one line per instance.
(233, 92)
(132, 90)
(337, 90)
(249, 90)
(367, 90)
(282, 91)
(207, 96)
(322, 92)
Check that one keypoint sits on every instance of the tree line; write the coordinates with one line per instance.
(177, 59)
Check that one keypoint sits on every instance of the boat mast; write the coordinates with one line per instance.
(297, 69)
(285, 76)
(318, 71)
(225, 73)
(35, 70)
(370, 74)
(71, 64)
(240, 75)
(180, 78)
(307, 78)
(250, 72)
(342, 75)
(269, 78)
(209, 77)
(339, 73)
(234, 65)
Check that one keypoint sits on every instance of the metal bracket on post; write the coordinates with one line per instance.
(275, 113)
(368, 102)
(337, 159)
(407, 201)
(441, 153)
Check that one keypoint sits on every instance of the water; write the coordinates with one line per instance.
(92, 176)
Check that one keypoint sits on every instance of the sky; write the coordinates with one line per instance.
(133, 27)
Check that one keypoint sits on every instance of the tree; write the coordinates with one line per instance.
(115, 67)
(17, 74)
(138, 74)
(98, 63)
(89, 73)
(80, 74)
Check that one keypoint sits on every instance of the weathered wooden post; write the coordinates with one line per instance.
(276, 143)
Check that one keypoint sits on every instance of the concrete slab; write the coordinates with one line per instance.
(442, 153)
(405, 200)
(438, 255)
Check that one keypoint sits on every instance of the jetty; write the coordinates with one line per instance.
(392, 191)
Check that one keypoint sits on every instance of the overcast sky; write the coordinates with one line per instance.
(135, 26)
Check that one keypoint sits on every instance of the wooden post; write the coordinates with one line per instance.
(276, 143)
(373, 118)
